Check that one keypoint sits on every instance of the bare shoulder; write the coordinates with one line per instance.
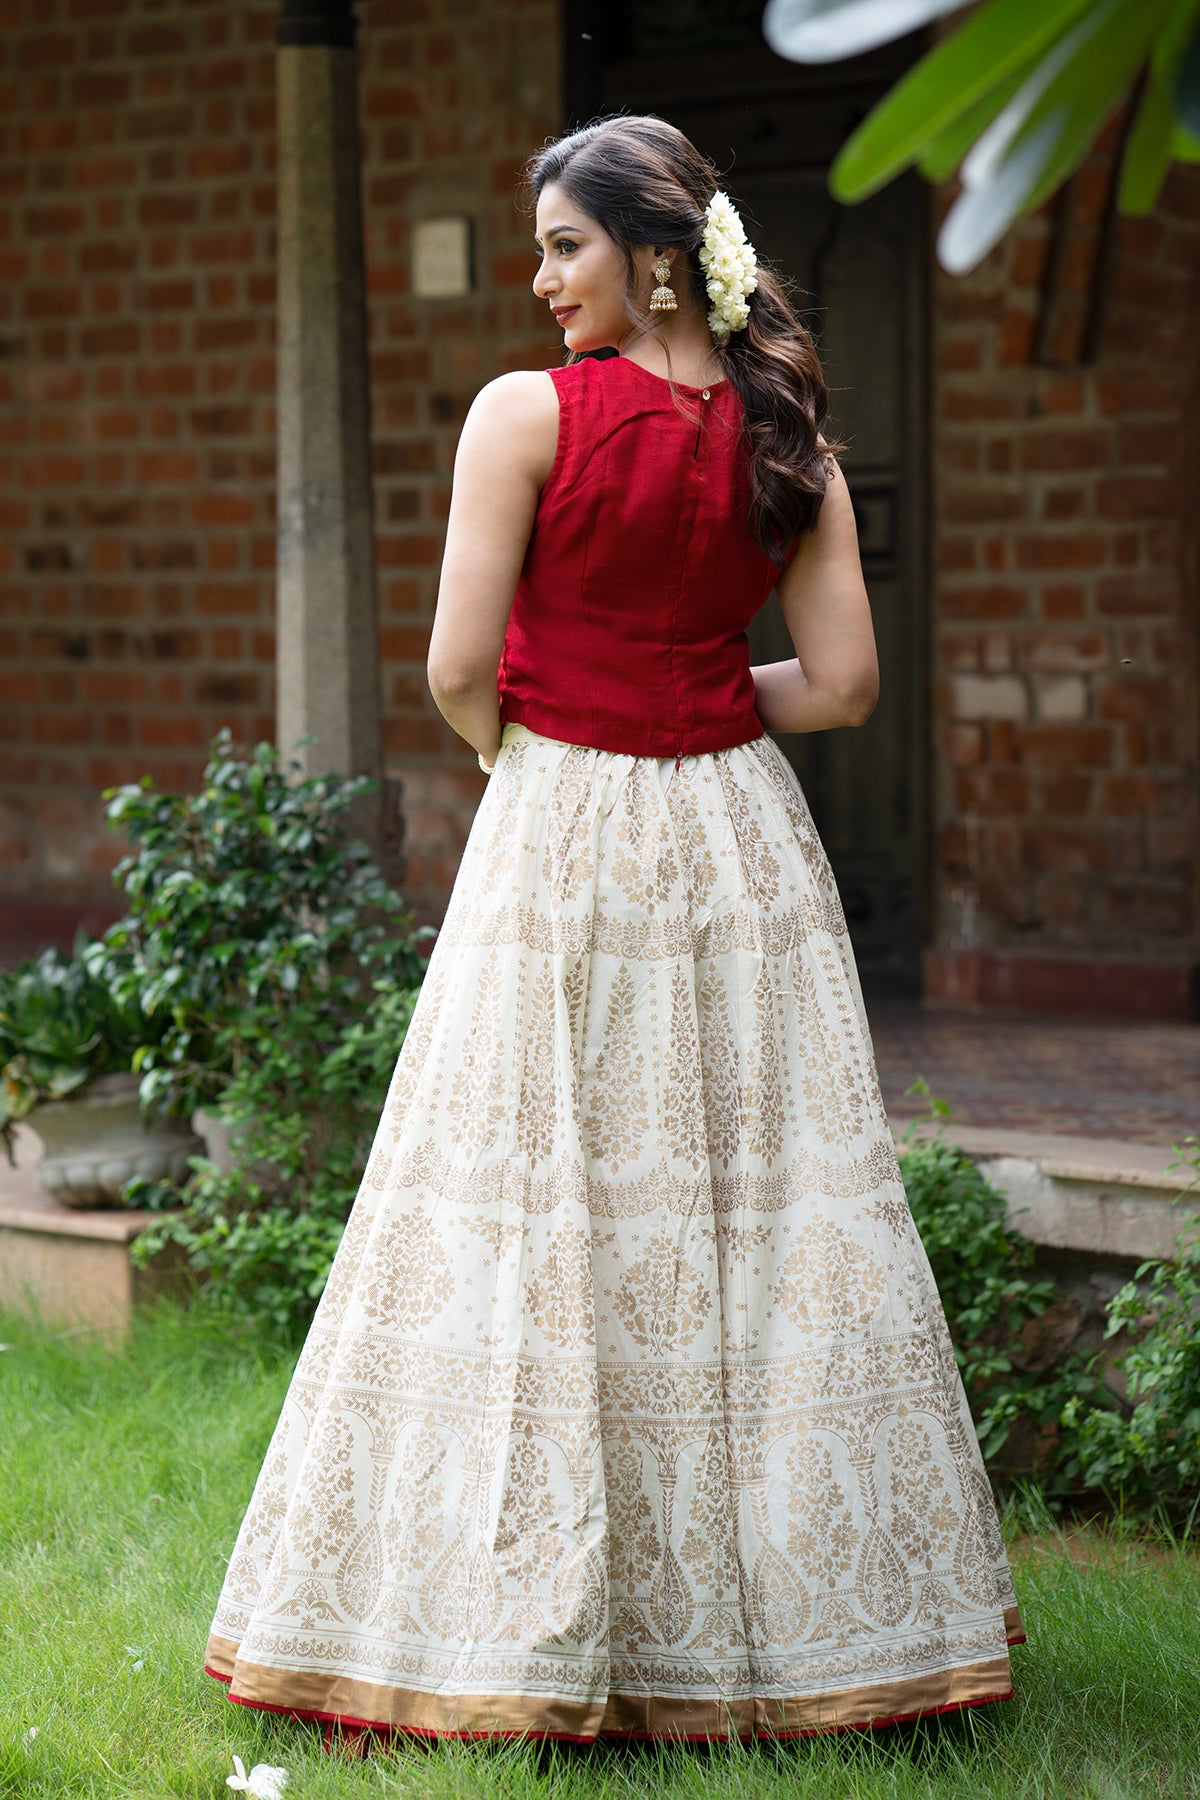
(523, 395)
(515, 416)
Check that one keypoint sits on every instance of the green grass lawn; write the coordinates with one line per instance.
(123, 1478)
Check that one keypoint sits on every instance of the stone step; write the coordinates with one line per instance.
(1096, 1197)
(68, 1267)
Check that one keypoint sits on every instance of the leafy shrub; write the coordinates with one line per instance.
(281, 970)
(982, 1269)
(301, 1110)
(1144, 1451)
(246, 903)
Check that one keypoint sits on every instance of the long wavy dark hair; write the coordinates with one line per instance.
(645, 183)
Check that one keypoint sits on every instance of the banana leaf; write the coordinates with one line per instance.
(827, 30)
(1003, 37)
(1048, 127)
(1148, 152)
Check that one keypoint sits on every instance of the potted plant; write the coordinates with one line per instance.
(68, 1049)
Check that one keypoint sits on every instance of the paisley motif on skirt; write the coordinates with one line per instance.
(629, 1402)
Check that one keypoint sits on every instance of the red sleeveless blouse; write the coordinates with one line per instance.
(628, 629)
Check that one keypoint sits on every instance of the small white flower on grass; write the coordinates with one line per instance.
(32, 1733)
(262, 1783)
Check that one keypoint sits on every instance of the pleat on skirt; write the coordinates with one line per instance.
(629, 1407)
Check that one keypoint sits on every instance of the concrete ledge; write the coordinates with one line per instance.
(77, 1271)
(72, 1267)
(1099, 1197)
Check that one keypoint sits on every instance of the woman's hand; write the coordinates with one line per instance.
(504, 456)
(834, 679)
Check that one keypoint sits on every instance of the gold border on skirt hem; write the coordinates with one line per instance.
(622, 1715)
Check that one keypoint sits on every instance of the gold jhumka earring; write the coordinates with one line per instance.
(663, 298)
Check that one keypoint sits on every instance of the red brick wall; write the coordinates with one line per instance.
(137, 207)
(1065, 619)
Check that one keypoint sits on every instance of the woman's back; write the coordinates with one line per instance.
(628, 630)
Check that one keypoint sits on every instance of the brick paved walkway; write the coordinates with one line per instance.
(1138, 1082)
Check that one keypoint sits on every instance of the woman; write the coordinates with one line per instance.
(629, 1407)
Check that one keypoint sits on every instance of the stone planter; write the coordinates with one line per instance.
(98, 1139)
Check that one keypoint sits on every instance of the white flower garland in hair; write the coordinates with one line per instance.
(728, 261)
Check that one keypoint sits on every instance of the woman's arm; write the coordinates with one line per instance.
(834, 679)
(504, 456)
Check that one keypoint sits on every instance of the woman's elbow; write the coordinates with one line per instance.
(859, 700)
(457, 681)
(862, 704)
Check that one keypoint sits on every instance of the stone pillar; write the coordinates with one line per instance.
(328, 640)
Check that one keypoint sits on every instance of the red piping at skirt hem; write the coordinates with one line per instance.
(566, 1737)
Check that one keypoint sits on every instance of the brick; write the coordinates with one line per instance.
(1145, 910)
(216, 598)
(1126, 394)
(127, 686)
(984, 603)
(1140, 796)
(988, 697)
(1067, 795)
(1079, 746)
(1139, 498)
(994, 792)
(411, 551)
(961, 505)
(414, 735)
(121, 338)
(1142, 593)
(1063, 600)
(1064, 650)
(230, 689)
(1063, 505)
(175, 295)
(417, 456)
(957, 356)
(1060, 698)
(1130, 696)
(222, 509)
(1064, 851)
(175, 466)
(977, 403)
(1052, 551)
(962, 745)
(1059, 448)
(61, 727)
(222, 246)
(223, 334)
(171, 730)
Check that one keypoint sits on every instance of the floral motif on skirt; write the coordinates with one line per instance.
(629, 1406)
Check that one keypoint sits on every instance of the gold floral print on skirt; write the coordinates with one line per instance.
(629, 1406)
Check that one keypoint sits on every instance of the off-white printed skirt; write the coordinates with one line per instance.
(629, 1406)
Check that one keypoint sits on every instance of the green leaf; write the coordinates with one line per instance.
(942, 155)
(1048, 127)
(1148, 151)
(1186, 99)
(1002, 37)
(827, 30)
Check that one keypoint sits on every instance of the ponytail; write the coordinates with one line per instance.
(775, 368)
